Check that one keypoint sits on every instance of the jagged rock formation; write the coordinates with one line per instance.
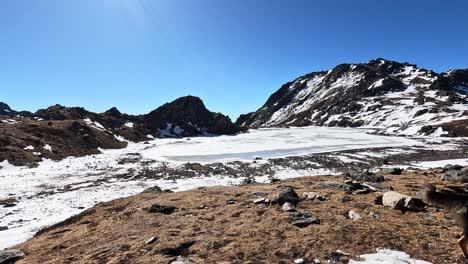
(188, 116)
(396, 97)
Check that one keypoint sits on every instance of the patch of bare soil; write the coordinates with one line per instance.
(224, 225)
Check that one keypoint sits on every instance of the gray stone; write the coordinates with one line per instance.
(354, 215)
(261, 200)
(393, 171)
(460, 175)
(288, 207)
(154, 189)
(151, 240)
(304, 219)
(313, 196)
(363, 176)
(345, 199)
(9, 256)
(181, 260)
(285, 194)
(402, 202)
(374, 215)
(162, 209)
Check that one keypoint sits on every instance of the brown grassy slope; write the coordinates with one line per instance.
(66, 138)
(116, 232)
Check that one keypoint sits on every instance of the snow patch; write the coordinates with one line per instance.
(387, 256)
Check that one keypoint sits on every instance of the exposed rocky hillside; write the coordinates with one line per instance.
(6, 110)
(395, 97)
(74, 131)
(329, 219)
(28, 141)
(188, 116)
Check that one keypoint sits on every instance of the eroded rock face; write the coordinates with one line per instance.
(373, 93)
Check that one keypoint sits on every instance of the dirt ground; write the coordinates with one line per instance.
(223, 225)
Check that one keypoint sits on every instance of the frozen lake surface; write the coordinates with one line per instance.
(271, 143)
(55, 191)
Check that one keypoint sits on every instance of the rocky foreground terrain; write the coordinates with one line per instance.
(326, 219)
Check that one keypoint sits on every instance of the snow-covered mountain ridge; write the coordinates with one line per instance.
(396, 97)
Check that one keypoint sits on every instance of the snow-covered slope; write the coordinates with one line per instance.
(398, 97)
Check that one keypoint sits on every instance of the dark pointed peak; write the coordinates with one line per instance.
(4, 106)
(113, 112)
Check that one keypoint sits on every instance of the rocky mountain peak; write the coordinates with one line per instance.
(5, 109)
(188, 116)
(113, 112)
(397, 97)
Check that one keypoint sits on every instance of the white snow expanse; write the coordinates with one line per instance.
(55, 191)
(385, 256)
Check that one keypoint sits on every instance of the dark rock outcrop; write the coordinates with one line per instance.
(187, 116)
(6, 110)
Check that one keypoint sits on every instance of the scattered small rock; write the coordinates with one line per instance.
(3, 228)
(273, 180)
(374, 215)
(154, 189)
(162, 209)
(345, 199)
(181, 260)
(299, 261)
(304, 219)
(353, 215)
(231, 201)
(392, 171)
(288, 207)
(261, 200)
(313, 196)
(9, 256)
(177, 250)
(151, 240)
(428, 218)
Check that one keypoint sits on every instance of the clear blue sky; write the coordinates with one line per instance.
(139, 54)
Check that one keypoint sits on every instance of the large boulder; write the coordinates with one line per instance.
(363, 176)
(455, 173)
(402, 202)
(285, 194)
